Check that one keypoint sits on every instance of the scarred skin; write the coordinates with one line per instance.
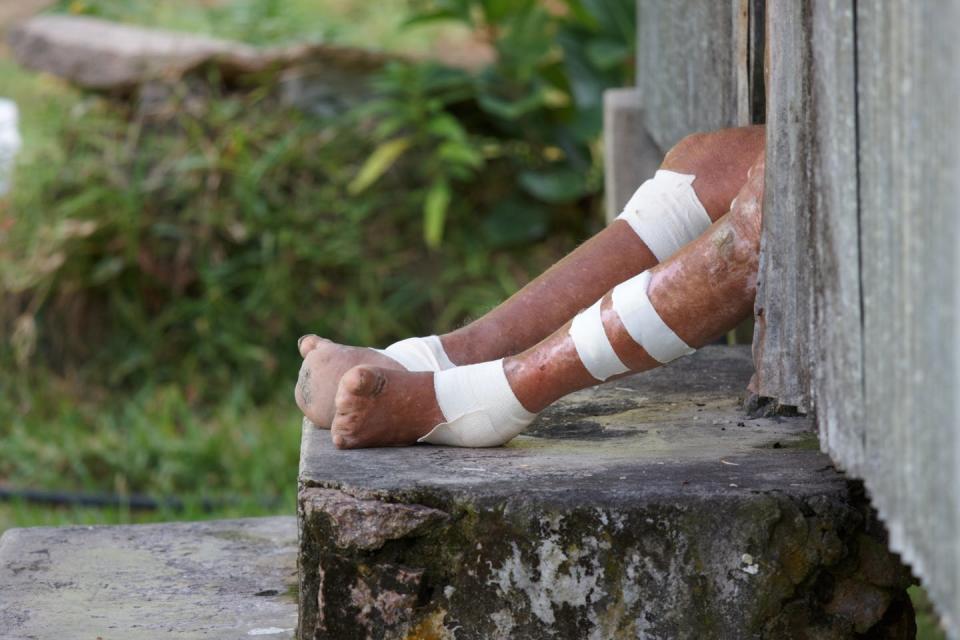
(701, 292)
(719, 160)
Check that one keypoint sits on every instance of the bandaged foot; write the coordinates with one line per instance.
(325, 362)
(469, 406)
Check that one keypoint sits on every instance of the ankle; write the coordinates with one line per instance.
(470, 345)
(545, 373)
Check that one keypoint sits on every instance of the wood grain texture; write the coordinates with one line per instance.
(687, 66)
(784, 286)
(858, 301)
(909, 100)
(836, 332)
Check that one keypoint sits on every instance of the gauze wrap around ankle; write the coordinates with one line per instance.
(666, 213)
(419, 354)
(479, 407)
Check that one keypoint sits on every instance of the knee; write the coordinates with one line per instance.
(746, 212)
(690, 154)
(720, 160)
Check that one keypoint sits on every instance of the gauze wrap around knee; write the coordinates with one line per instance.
(419, 354)
(639, 318)
(479, 407)
(666, 213)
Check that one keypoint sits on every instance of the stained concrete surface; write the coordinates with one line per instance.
(651, 507)
(226, 579)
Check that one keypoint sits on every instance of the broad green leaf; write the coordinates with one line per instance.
(607, 54)
(435, 213)
(378, 163)
(515, 222)
(511, 110)
(558, 186)
(460, 154)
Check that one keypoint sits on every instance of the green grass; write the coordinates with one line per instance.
(928, 625)
(16, 514)
(375, 25)
(154, 442)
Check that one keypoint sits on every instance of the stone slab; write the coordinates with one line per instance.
(647, 507)
(226, 579)
(103, 55)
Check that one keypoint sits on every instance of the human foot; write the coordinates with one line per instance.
(378, 406)
(324, 363)
(468, 406)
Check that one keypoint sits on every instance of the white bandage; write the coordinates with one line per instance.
(666, 213)
(419, 354)
(643, 323)
(593, 346)
(479, 407)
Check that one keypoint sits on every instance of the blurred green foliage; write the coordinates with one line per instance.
(191, 240)
(537, 107)
(194, 243)
(159, 257)
(269, 22)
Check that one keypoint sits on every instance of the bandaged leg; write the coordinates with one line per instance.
(479, 406)
(666, 213)
(652, 318)
(639, 319)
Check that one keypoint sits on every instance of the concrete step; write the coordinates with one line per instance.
(225, 579)
(650, 507)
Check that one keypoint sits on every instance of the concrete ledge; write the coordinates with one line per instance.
(225, 579)
(650, 507)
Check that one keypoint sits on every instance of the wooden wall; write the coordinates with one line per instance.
(858, 308)
(909, 157)
(693, 66)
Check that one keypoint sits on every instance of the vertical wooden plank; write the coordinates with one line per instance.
(908, 96)
(784, 287)
(687, 66)
(836, 333)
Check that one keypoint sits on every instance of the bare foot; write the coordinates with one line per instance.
(379, 407)
(324, 363)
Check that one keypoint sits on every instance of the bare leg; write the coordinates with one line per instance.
(720, 161)
(701, 292)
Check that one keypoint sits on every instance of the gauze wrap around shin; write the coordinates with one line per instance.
(666, 213)
(419, 354)
(479, 407)
(593, 346)
(643, 323)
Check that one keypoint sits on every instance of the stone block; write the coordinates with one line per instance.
(225, 579)
(630, 154)
(648, 507)
(103, 55)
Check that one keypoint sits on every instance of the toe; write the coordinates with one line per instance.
(308, 343)
(363, 381)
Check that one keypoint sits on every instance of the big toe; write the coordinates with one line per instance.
(308, 343)
(363, 380)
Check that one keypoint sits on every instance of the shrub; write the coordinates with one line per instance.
(192, 239)
(197, 241)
